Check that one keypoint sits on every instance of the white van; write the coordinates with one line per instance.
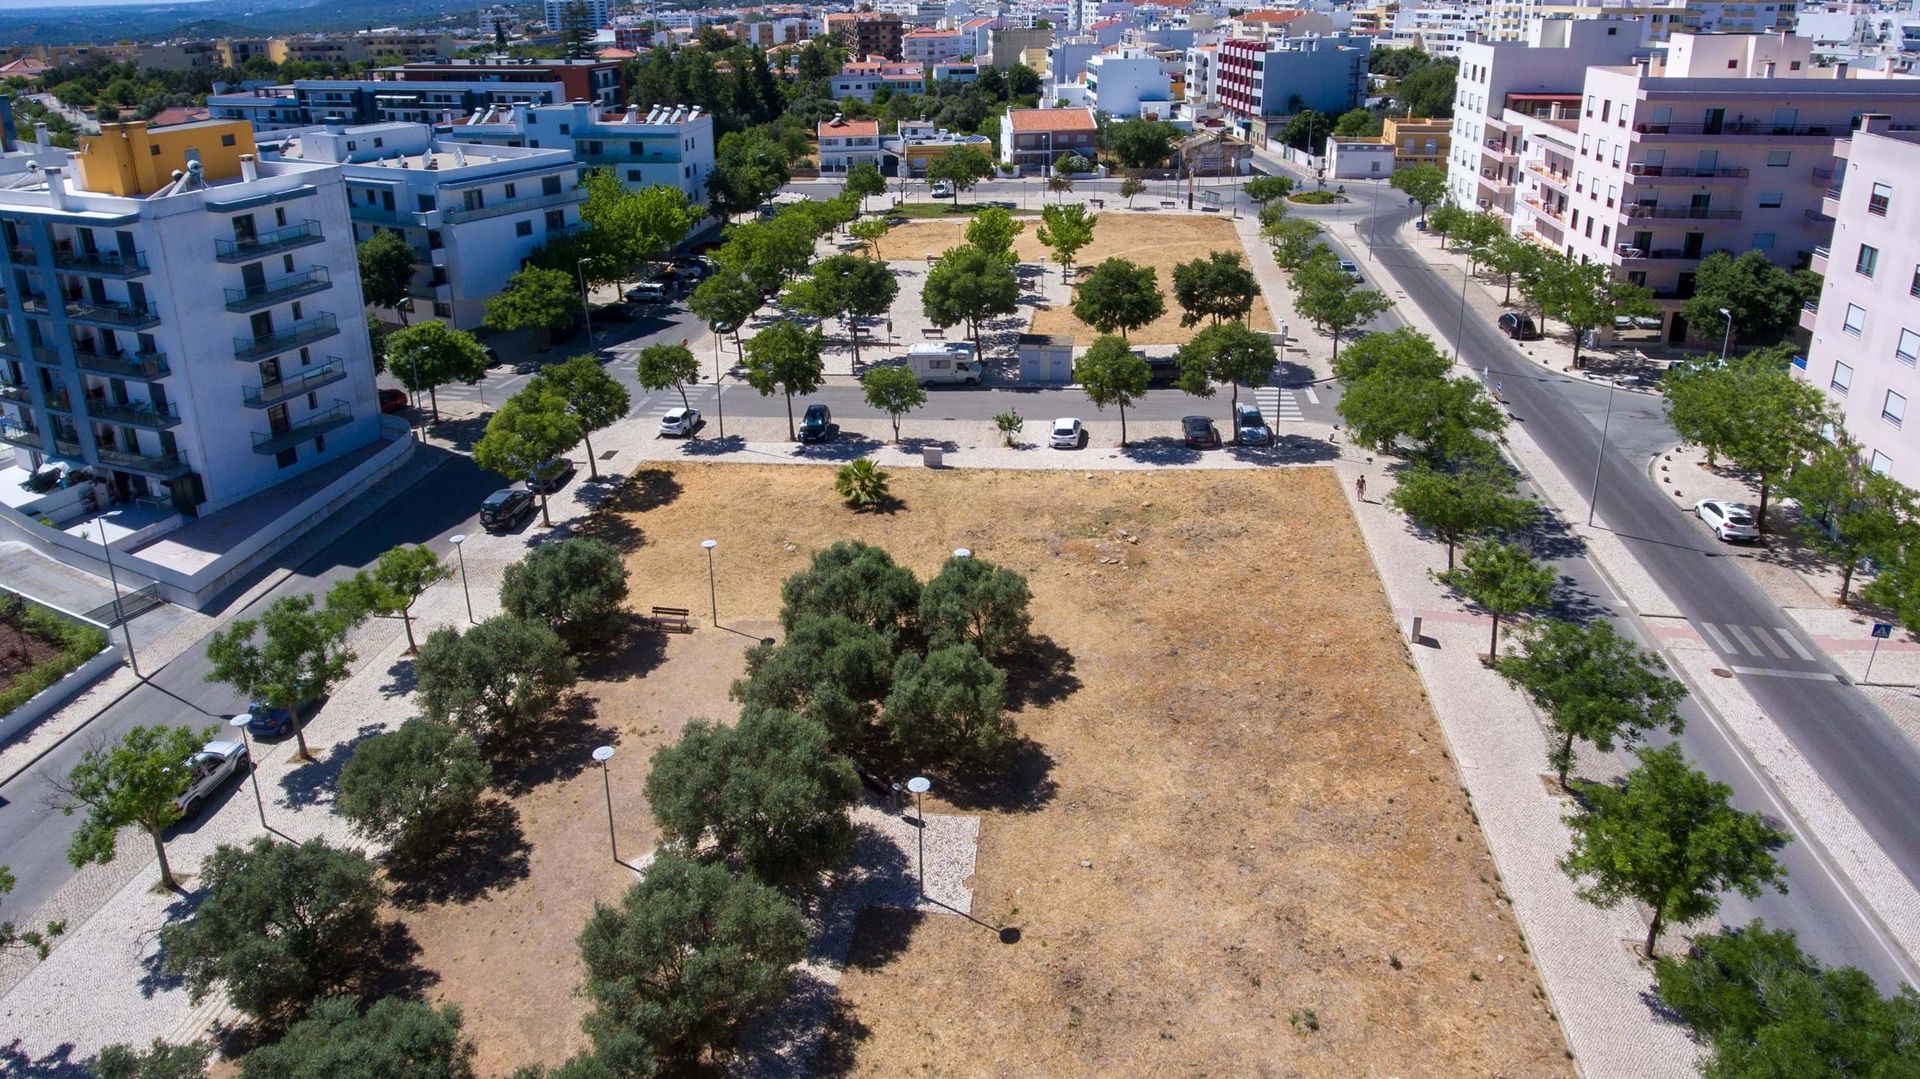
(947, 361)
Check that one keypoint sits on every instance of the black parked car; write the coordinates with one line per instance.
(1199, 432)
(817, 424)
(504, 510)
(550, 475)
(1518, 326)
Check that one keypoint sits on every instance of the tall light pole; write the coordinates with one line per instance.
(406, 304)
(1727, 337)
(919, 785)
(719, 406)
(119, 614)
(1460, 327)
(713, 594)
(239, 723)
(586, 305)
(601, 755)
(459, 547)
(1605, 425)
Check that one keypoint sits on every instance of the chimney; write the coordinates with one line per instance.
(56, 184)
(41, 140)
(249, 169)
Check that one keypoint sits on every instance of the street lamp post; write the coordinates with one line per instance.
(1727, 337)
(586, 304)
(601, 755)
(459, 547)
(239, 723)
(713, 594)
(119, 614)
(919, 785)
(962, 552)
(1460, 327)
(1605, 426)
(406, 304)
(719, 403)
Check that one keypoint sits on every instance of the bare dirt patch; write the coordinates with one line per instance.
(1237, 809)
(1156, 240)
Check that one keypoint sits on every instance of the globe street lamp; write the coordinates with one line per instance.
(919, 786)
(713, 595)
(239, 723)
(601, 755)
(459, 547)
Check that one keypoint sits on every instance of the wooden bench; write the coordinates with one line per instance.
(933, 333)
(675, 618)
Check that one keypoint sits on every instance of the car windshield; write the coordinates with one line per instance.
(676, 415)
(1063, 429)
(1737, 518)
(496, 500)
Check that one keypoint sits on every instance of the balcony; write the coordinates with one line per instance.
(306, 430)
(1641, 169)
(312, 378)
(458, 214)
(1560, 180)
(134, 414)
(1822, 216)
(15, 435)
(113, 313)
(1820, 255)
(1821, 177)
(1746, 128)
(1684, 213)
(138, 365)
(267, 243)
(13, 391)
(102, 263)
(284, 288)
(317, 328)
(166, 466)
(1809, 314)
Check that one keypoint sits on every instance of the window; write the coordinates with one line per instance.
(634, 175)
(1771, 200)
(1909, 347)
(1895, 409)
(1914, 288)
(1856, 318)
(442, 309)
(556, 220)
(523, 228)
(378, 142)
(550, 185)
(1779, 159)
(510, 190)
(1763, 241)
(1877, 202)
(226, 140)
(1882, 464)
(1866, 260)
(1842, 377)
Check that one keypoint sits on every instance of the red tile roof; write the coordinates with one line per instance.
(849, 129)
(1031, 121)
(1270, 15)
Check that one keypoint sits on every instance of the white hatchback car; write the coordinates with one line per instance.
(1066, 434)
(1731, 521)
(680, 422)
(209, 768)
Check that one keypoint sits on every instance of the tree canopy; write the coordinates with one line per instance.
(1502, 579)
(1065, 230)
(971, 600)
(854, 579)
(414, 788)
(386, 269)
(392, 1037)
(433, 354)
(135, 782)
(1594, 685)
(1217, 286)
(534, 426)
(536, 298)
(1119, 296)
(1113, 374)
(949, 704)
(969, 285)
(1765, 300)
(576, 588)
(593, 397)
(785, 359)
(496, 681)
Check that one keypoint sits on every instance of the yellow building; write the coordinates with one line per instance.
(1417, 141)
(129, 160)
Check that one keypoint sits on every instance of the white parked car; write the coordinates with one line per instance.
(942, 190)
(1066, 434)
(680, 422)
(1347, 267)
(210, 767)
(1731, 521)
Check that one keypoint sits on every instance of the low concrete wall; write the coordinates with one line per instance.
(202, 586)
(58, 694)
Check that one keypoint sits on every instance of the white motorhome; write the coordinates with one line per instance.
(947, 361)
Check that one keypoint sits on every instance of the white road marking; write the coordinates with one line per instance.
(1810, 676)
(1746, 642)
(1767, 639)
(1718, 638)
(1794, 643)
(1312, 396)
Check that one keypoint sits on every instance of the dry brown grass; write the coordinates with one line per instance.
(1156, 240)
(1247, 767)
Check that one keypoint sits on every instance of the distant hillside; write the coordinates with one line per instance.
(223, 18)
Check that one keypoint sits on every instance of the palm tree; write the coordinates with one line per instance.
(861, 483)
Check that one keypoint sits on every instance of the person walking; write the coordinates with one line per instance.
(1360, 488)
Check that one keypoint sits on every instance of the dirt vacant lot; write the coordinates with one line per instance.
(1235, 846)
(1157, 240)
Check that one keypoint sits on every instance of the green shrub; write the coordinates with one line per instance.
(77, 641)
(1314, 198)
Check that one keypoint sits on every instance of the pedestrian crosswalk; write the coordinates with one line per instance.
(1278, 405)
(1775, 642)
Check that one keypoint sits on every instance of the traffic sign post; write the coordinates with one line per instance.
(1881, 631)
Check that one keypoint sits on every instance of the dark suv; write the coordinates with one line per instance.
(505, 509)
(1518, 326)
(817, 424)
(1199, 432)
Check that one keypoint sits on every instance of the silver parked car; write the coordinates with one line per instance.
(212, 766)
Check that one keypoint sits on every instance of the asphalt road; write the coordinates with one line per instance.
(34, 834)
(1854, 747)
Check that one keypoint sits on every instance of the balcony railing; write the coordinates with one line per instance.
(13, 391)
(131, 414)
(1688, 213)
(1821, 177)
(300, 333)
(1816, 216)
(283, 288)
(102, 263)
(113, 313)
(312, 378)
(141, 365)
(457, 214)
(1746, 127)
(1640, 169)
(20, 436)
(306, 430)
(163, 465)
(286, 239)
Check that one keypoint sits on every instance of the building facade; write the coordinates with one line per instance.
(182, 319)
(669, 144)
(1258, 82)
(1125, 82)
(1036, 138)
(556, 12)
(845, 143)
(599, 81)
(867, 33)
(863, 79)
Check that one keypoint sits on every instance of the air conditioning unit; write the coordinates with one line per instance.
(1485, 203)
(1638, 169)
(1628, 251)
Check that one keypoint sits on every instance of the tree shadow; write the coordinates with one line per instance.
(1286, 450)
(317, 782)
(1018, 780)
(841, 1034)
(917, 443)
(1160, 450)
(402, 678)
(57, 1063)
(880, 935)
(154, 977)
(638, 647)
(713, 447)
(1040, 672)
(848, 447)
(558, 749)
(394, 968)
(490, 852)
(461, 432)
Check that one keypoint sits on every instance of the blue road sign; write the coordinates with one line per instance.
(1883, 630)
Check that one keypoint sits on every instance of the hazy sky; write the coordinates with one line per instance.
(18, 5)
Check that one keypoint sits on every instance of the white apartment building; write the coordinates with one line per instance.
(182, 319)
(863, 79)
(845, 143)
(1126, 82)
(1439, 28)
(669, 144)
(472, 212)
(928, 45)
(1726, 146)
(554, 12)
(1866, 324)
